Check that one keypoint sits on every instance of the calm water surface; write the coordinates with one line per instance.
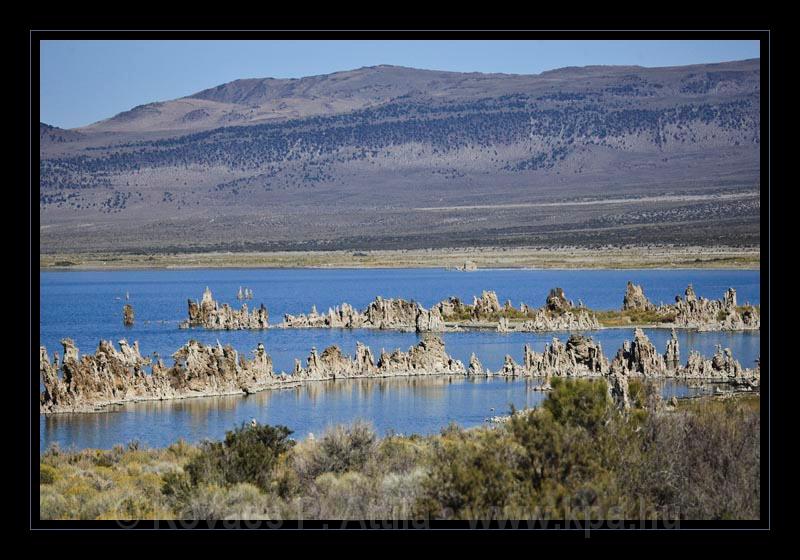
(87, 306)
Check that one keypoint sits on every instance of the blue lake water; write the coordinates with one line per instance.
(87, 307)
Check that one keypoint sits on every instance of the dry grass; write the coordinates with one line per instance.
(532, 257)
(631, 317)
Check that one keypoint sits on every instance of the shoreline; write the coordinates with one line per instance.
(521, 258)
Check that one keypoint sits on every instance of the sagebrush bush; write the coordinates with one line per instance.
(702, 462)
(400, 492)
(341, 448)
(395, 454)
(578, 402)
(350, 495)
(248, 454)
(346, 448)
(47, 474)
(240, 501)
(471, 474)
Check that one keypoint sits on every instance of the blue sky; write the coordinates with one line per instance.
(86, 81)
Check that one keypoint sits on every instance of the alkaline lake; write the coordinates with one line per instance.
(87, 307)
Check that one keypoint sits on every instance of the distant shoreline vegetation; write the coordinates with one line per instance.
(627, 257)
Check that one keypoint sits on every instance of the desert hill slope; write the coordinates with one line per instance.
(397, 157)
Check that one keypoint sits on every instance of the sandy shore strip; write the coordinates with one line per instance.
(655, 257)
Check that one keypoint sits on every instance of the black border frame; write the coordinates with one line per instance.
(732, 530)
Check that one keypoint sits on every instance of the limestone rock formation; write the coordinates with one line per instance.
(452, 307)
(705, 314)
(618, 390)
(558, 313)
(344, 316)
(112, 376)
(557, 301)
(545, 320)
(391, 313)
(635, 299)
(452, 314)
(430, 321)
(394, 314)
(503, 325)
(722, 367)
(107, 376)
(486, 305)
(428, 357)
(511, 368)
(210, 315)
(475, 366)
(579, 357)
(127, 315)
(639, 357)
(672, 357)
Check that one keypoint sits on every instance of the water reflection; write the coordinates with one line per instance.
(403, 405)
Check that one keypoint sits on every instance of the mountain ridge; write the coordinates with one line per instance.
(284, 86)
(354, 158)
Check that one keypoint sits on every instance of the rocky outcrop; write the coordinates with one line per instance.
(639, 357)
(672, 356)
(429, 356)
(392, 314)
(618, 390)
(475, 366)
(704, 314)
(114, 376)
(430, 321)
(557, 314)
(485, 306)
(452, 308)
(545, 320)
(127, 315)
(579, 357)
(344, 316)
(208, 314)
(722, 367)
(386, 314)
(504, 325)
(635, 299)
(107, 376)
(582, 357)
(557, 301)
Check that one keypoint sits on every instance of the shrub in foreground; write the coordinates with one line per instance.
(248, 454)
(576, 455)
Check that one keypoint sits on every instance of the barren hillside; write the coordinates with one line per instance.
(389, 157)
